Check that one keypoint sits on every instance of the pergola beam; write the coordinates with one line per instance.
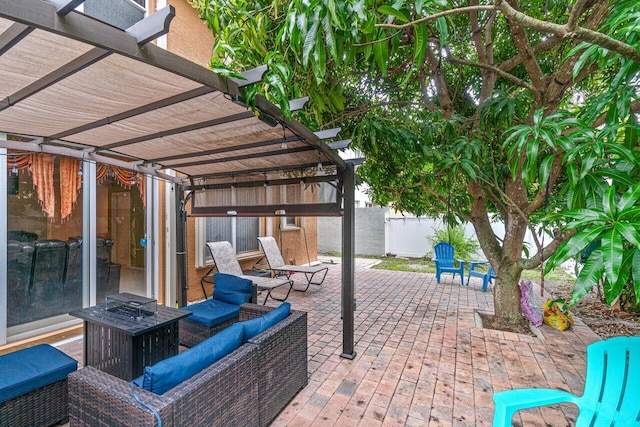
(153, 26)
(251, 76)
(63, 7)
(339, 145)
(12, 35)
(246, 156)
(39, 14)
(83, 155)
(248, 146)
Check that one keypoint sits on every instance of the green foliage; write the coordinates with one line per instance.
(456, 124)
(466, 248)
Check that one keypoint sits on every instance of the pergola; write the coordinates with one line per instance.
(74, 86)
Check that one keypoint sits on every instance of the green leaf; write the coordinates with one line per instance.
(612, 252)
(421, 38)
(635, 271)
(589, 275)
(608, 202)
(388, 10)
(630, 197)
(381, 55)
(573, 246)
(443, 31)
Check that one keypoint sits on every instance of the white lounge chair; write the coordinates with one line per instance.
(226, 262)
(277, 265)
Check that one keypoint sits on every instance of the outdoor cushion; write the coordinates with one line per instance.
(232, 289)
(31, 368)
(211, 312)
(260, 324)
(165, 375)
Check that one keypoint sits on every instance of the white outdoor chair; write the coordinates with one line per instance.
(226, 262)
(277, 265)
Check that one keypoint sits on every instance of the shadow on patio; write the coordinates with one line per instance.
(422, 357)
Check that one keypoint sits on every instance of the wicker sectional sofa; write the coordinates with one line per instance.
(247, 387)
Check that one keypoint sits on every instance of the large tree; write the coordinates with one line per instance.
(524, 113)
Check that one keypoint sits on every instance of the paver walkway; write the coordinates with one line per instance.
(422, 357)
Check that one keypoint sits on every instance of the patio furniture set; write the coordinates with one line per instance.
(244, 363)
(446, 262)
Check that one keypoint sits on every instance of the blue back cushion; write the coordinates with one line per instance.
(165, 375)
(211, 312)
(32, 368)
(231, 289)
(260, 324)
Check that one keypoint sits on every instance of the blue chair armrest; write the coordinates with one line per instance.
(509, 401)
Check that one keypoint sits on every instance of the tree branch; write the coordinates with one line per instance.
(544, 46)
(364, 109)
(513, 79)
(580, 33)
(436, 16)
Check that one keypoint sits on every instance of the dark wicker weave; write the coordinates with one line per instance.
(283, 360)
(248, 387)
(224, 394)
(40, 407)
(192, 333)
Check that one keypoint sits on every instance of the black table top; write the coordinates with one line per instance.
(114, 315)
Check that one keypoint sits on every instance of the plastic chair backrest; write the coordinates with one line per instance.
(444, 254)
(612, 382)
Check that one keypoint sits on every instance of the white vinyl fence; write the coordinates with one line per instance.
(378, 233)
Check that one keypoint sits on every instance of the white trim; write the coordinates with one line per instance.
(89, 233)
(171, 297)
(162, 40)
(3, 242)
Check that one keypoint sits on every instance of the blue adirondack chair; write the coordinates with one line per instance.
(486, 276)
(611, 388)
(445, 261)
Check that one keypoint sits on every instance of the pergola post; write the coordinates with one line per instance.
(181, 246)
(348, 266)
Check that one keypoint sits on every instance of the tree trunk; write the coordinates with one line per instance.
(506, 296)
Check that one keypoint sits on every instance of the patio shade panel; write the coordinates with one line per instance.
(31, 58)
(78, 87)
(172, 116)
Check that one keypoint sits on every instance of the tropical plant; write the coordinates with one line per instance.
(516, 111)
(465, 247)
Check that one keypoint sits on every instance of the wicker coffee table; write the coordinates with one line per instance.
(122, 343)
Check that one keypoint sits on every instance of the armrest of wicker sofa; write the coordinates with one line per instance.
(222, 394)
(283, 363)
(250, 311)
(98, 398)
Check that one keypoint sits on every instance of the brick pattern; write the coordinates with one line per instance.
(422, 358)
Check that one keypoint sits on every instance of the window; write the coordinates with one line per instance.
(241, 232)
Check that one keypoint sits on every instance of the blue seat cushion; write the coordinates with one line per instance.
(211, 312)
(165, 375)
(260, 324)
(31, 368)
(232, 289)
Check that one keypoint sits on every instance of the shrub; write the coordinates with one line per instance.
(465, 248)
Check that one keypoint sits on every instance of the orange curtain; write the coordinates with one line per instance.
(42, 171)
(22, 161)
(128, 178)
(70, 185)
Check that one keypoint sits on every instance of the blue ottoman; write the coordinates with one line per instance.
(33, 386)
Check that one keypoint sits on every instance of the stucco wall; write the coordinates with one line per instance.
(369, 232)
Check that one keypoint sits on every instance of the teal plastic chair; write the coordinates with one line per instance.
(445, 261)
(611, 388)
(486, 276)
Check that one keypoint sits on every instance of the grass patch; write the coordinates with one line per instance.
(416, 265)
(425, 265)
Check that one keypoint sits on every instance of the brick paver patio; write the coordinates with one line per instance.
(422, 356)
